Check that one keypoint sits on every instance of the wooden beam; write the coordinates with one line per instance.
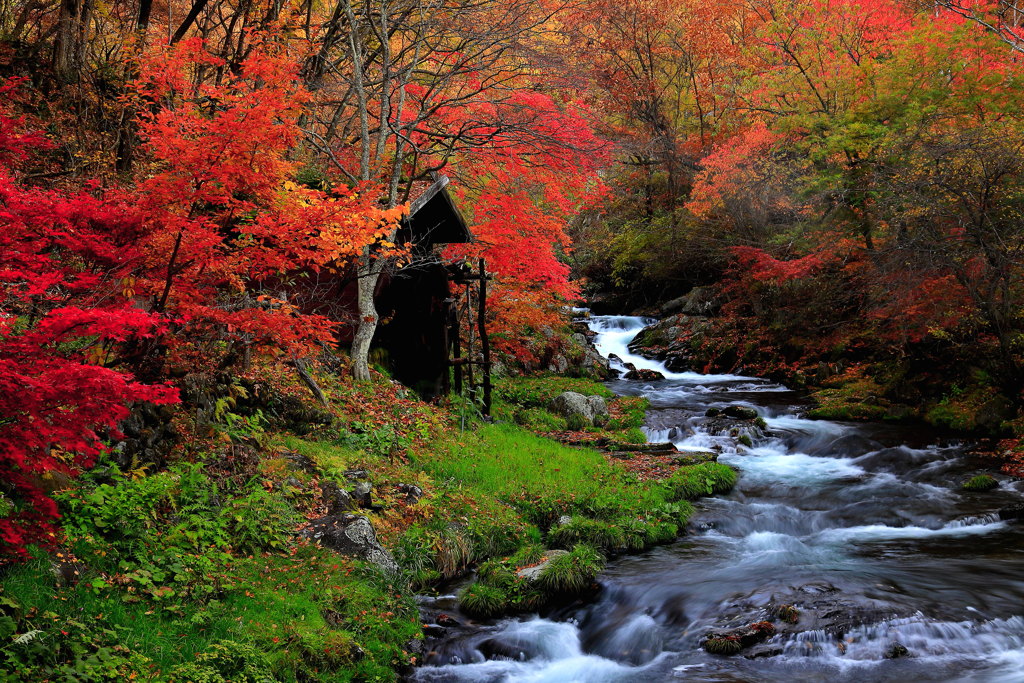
(484, 341)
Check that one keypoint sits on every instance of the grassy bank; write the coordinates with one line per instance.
(198, 570)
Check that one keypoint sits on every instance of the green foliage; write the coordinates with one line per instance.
(225, 661)
(977, 407)
(538, 392)
(603, 535)
(571, 573)
(982, 482)
(577, 422)
(787, 613)
(539, 420)
(52, 646)
(482, 600)
(632, 413)
(745, 440)
(414, 553)
(696, 481)
(259, 520)
(527, 555)
(309, 616)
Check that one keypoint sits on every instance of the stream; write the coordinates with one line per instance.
(863, 527)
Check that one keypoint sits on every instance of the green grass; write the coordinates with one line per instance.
(538, 392)
(706, 479)
(482, 600)
(540, 477)
(572, 573)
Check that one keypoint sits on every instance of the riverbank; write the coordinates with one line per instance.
(223, 563)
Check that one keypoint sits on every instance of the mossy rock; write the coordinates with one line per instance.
(982, 482)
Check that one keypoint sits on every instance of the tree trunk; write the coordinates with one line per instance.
(369, 275)
(67, 50)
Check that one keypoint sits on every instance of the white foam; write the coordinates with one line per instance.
(884, 532)
(768, 464)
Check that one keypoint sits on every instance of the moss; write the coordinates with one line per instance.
(572, 573)
(982, 482)
(760, 423)
(852, 396)
(974, 408)
(745, 440)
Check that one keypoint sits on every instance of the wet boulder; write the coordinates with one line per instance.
(896, 650)
(351, 535)
(642, 374)
(740, 412)
(732, 641)
(1012, 513)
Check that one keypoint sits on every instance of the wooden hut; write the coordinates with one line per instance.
(421, 323)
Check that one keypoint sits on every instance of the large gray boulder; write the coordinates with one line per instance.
(570, 403)
(351, 535)
(598, 407)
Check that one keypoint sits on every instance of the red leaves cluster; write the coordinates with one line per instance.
(63, 262)
(95, 286)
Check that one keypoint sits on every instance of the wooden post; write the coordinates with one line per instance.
(455, 335)
(469, 350)
(485, 346)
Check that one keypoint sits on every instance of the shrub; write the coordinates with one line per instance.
(787, 613)
(527, 555)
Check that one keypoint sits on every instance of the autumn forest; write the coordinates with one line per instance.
(500, 340)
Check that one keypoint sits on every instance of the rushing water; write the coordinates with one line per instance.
(863, 527)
